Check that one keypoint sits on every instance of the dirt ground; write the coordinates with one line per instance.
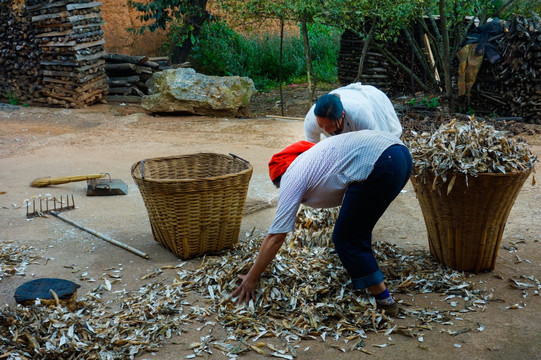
(38, 142)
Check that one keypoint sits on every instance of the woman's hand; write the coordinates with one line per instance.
(270, 246)
(246, 290)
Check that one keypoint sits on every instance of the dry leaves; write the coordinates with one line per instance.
(469, 147)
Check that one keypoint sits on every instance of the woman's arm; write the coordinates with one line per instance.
(268, 250)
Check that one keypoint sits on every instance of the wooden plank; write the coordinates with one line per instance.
(123, 98)
(58, 63)
(83, 26)
(81, 78)
(90, 44)
(45, 6)
(159, 58)
(83, 17)
(122, 58)
(83, 5)
(88, 78)
(129, 79)
(56, 73)
(45, 26)
(151, 64)
(284, 117)
(59, 43)
(98, 63)
(61, 14)
(90, 57)
(72, 34)
(59, 81)
(143, 70)
(121, 68)
(54, 33)
(76, 66)
(100, 81)
(88, 34)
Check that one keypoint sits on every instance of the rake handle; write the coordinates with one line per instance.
(101, 236)
(41, 182)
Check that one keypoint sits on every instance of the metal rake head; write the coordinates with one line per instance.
(58, 205)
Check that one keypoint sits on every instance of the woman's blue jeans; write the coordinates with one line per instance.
(364, 203)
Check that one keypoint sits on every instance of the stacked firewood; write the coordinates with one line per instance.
(376, 70)
(51, 52)
(512, 86)
(509, 88)
(128, 75)
(20, 78)
(70, 37)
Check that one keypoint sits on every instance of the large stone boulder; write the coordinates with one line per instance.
(185, 91)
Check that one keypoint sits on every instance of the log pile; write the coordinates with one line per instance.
(376, 70)
(128, 75)
(63, 64)
(509, 88)
(20, 78)
(512, 85)
(71, 39)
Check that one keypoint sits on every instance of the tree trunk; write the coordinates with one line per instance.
(280, 69)
(309, 65)
(446, 56)
(394, 61)
(193, 23)
(365, 50)
(179, 54)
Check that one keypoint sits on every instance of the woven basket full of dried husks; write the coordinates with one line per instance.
(467, 177)
(194, 202)
(465, 226)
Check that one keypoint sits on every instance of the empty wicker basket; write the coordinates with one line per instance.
(194, 202)
(465, 227)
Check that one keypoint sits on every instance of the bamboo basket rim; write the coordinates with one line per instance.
(249, 168)
(527, 170)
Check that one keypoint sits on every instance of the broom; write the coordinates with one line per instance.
(41, 182)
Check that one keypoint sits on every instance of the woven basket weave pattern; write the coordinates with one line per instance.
(194, 202)
(465, 227)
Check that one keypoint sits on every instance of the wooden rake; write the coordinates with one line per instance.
(58, 206)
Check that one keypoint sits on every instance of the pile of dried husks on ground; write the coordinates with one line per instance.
(304, 294)
(14, 260)
(292, 304)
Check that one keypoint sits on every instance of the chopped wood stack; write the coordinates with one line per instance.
(71, 39)
(128, 75)
(52, 51)
(512, 85)
(20, 78)
(376, 69)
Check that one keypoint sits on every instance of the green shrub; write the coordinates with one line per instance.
(222, 51)
(325, 45)
(13, 98)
